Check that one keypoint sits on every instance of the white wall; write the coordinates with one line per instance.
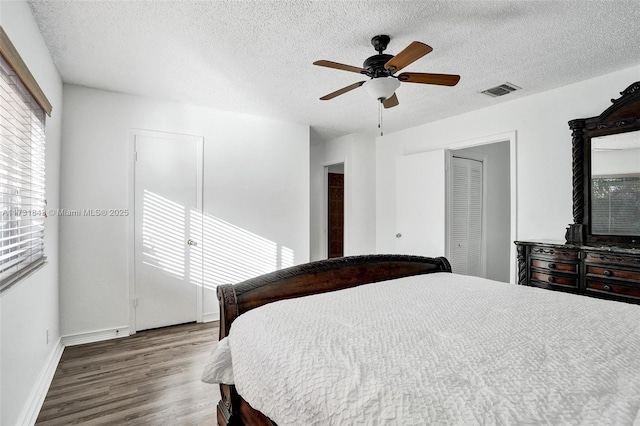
(316, 204)
(544, 190)
(357, 151)
(498, 207)
(256, 177)
(30, 307)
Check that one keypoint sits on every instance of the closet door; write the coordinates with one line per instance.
(168, 229)
(465, 216)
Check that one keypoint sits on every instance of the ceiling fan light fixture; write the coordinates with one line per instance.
(381, 88)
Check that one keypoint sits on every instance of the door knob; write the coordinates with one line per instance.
(398, 235)
(191, 242)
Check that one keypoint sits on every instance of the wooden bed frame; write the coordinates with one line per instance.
(298, 281)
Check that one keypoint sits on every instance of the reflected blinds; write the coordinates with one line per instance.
(22, 178)
(615, 205)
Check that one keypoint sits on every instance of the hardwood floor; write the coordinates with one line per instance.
(150, 378)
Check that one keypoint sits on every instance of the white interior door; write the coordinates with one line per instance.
(168, 264)
(420, 204)
(465, 240)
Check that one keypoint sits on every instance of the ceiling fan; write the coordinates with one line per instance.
(381, 69)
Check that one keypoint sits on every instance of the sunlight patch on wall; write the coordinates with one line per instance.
(219, 252)
(232, 254)
(287, 257)
(163, 234)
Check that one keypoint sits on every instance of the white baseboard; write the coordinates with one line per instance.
(34, 403)
(210, 316)
(95, 336)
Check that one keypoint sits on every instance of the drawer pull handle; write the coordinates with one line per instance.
(551, 279)
(552, 266)
(607, 288)
(607, 272)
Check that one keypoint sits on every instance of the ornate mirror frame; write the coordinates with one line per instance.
(621, 117)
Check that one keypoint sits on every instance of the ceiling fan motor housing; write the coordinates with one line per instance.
(375, 65)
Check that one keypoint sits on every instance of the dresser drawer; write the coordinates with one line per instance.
(554, 253)
(605, 287)
(603, 271)
(606, 272)
(554, 266)
(553, 279)
(612, 259)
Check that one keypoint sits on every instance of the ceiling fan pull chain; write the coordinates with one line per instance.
(380, 117)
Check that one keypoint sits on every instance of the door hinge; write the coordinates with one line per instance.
(135, 155)
(135, 302)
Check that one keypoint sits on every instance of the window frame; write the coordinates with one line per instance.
(35, 139)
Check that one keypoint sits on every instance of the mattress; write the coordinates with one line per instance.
(439, 349)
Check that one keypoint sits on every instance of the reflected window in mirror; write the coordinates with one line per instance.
(615, 184)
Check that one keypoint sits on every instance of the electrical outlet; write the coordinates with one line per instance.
(47, 336)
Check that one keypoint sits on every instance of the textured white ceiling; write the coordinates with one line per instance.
(256, 56)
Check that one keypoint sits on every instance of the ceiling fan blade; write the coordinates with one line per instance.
(410, 54)
(391, 102)
(341, 91)
(336, 65)
(426, 78)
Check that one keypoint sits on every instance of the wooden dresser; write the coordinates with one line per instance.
(601, 256)
(605, 272)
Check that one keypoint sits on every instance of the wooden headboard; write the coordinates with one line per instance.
(303, 280)
(319, 277)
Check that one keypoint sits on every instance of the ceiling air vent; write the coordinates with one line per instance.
(501, 90)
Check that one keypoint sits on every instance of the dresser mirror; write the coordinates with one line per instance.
(615, 184)
(606, 175)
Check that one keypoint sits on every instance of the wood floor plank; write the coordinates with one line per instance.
(150, 378)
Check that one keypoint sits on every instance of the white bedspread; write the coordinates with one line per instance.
(440, 349)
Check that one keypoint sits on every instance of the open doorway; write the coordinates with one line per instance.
(334, 209)
(479, 210)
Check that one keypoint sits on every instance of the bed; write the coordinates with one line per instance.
(390, 339)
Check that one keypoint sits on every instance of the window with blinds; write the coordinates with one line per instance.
(615, 205)
(22, 178)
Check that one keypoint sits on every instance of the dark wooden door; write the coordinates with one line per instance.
(335, 215)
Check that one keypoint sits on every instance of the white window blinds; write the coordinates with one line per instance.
(615, 205)
(22, 178)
